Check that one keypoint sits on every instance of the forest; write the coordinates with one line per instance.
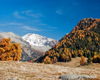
(83, 41)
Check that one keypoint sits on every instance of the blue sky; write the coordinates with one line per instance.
(49, 18)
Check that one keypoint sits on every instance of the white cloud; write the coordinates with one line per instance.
(32, 13)
(43, 24)
(59, 12)
(36, 15)
(15, 24)
(6, 24)
(53, 27)
(28, 11)
(16, 14)
(29, 28)
(36, 21)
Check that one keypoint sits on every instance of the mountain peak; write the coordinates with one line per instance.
(38, 40)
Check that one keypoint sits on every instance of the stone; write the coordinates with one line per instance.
(74, 77)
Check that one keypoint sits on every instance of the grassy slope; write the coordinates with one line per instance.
(38, 71)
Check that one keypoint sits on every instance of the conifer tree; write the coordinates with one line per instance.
(9, 51)
(69, 58)
(89, 60)
(82, 62)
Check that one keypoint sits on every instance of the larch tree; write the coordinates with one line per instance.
(9, 51)
(47, 60)
(82, 62)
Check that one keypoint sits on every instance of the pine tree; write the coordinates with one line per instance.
(89, 60)
(69, 58)
(74, 55)
(89, 55)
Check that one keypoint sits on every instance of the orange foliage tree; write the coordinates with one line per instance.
(9, 51)
(82, 62)
(47, 60)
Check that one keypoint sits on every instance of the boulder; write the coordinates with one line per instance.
(74, 77)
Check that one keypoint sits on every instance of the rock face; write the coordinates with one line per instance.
(40, 42)
(74, 77)
(28, 52)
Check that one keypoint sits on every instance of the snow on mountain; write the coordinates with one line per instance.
(38, 40)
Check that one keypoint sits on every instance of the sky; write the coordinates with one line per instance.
(49, 18)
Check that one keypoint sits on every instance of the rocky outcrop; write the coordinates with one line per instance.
(75, 77)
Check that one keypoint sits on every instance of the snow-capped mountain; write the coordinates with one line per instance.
(39, 41)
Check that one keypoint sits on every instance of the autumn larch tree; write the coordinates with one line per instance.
(82, 62)
(47, 60)
(9, 51)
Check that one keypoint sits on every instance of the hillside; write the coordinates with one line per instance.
(83, 40)
(17, 70)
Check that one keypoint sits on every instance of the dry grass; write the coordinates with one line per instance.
(38, 71)
(75, 62)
